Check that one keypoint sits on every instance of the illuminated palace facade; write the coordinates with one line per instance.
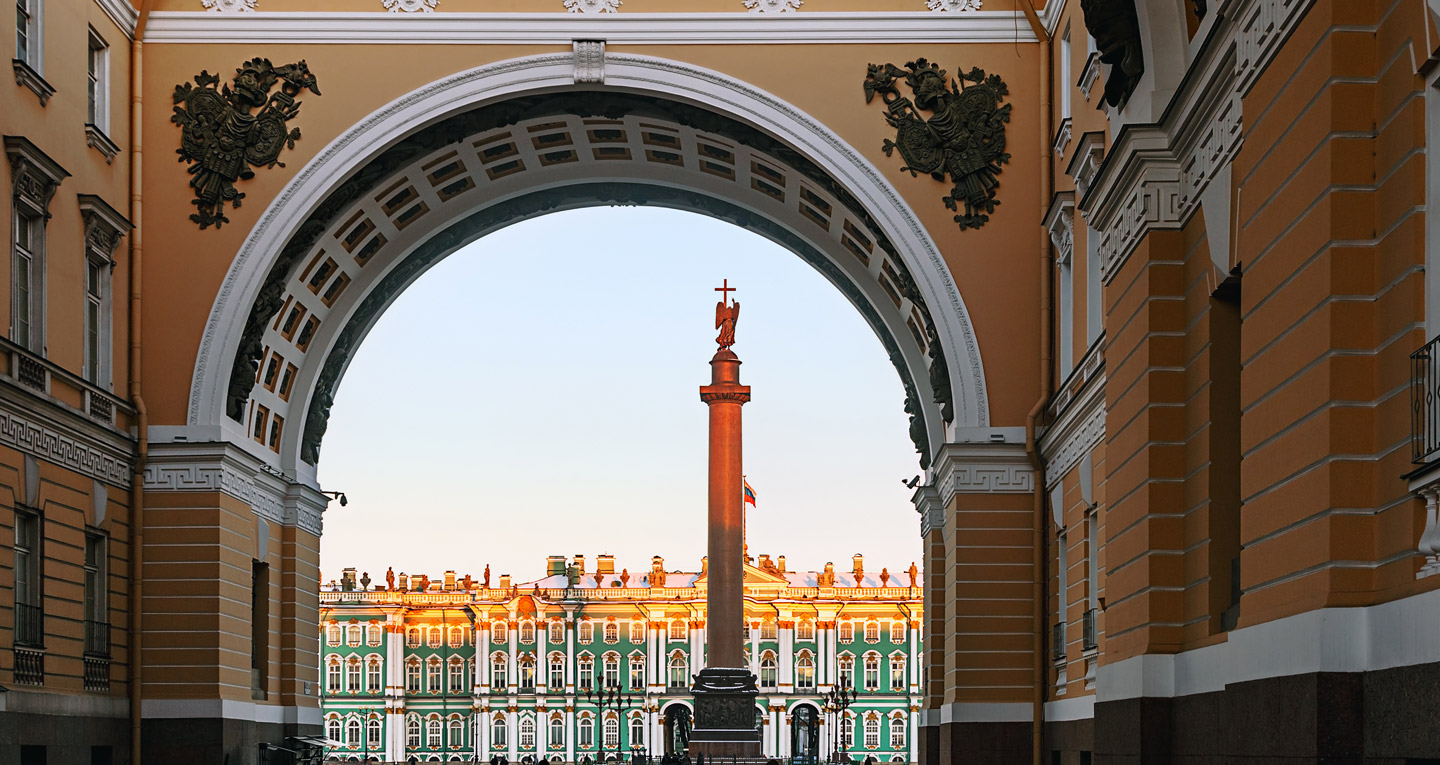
(457, 669)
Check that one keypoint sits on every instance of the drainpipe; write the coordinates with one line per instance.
(1038, 552)
(142, 422)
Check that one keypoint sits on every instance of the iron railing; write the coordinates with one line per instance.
(97, 674)
(97, 638)
(29, 667)
(1087, 630)
(1057, 643)
(1425, 402)
(29, 625)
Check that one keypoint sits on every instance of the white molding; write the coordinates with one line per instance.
(122, 13)
(932, 511)
(1400, 633)
(739, 28)
(229, 709)
(223, 467)
(1079, 430)
(70, 442)
(589, 61)
(966, 712)
(998, 468)
(1065, 710)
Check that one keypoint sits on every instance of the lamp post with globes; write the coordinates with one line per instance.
(837, 700)
(610, 696)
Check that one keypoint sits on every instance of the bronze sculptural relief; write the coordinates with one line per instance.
(222, 140)
(1116, 30)
(963, 139)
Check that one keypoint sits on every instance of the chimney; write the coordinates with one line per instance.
(450, 580)
(580, 565)
(504, 581)
(554, 564)
(347, 579)
(781, 563)
(605, 564)
(859, 569)
(765, 563)
(404, 581)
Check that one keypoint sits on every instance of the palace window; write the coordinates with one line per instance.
(352, 676)
(28, 629)
(612, 670)
(637, 731)
(435, 637)
(612, 633)
(457, 733)
(498, 666)
(557, 631)
(352, 732)
(872, 672)
(805, 630)
(847, 632)
(98, 82)
(332, 729)
(457, 676)
(412, 676)
(412, 637)
(373, 633)
(27, 32)
(677, 629)
(767, 672)
(557, 732)
(457, 637)
(527, 733)
(897, 732)
(897, 631)
(433, 730)
(353, 635)
(587, 733)
(527, 631)
(846, 676)
(679, 671)
(557, 672)
(872, 733)
(372, 675)
(97, 314)
(499, 632)
(767, 629)
(376, 736)
(637, 632)
(612, 733)
(498, 733)
(97, 599)
(587, 672)
(847, 732)
(527, 674)
(745, 630)
(897, 673)
(637, 673)
(872, 631)
(412, 734)
(587, 632)
(432, 676)
(332, 635)
(804, 673)
(332, 675)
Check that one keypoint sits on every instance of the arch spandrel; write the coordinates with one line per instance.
(329, 191)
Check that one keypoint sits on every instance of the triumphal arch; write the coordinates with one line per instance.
(1154, 275)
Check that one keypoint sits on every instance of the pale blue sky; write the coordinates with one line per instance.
(536, 394)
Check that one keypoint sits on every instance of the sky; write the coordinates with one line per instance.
(537, 393)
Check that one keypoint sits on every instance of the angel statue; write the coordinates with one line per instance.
(222, 139)
(725, 317)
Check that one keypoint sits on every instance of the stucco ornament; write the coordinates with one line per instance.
(773, 6)
(410, 6)
(953, 6)
(962, 139)
(222, 140)
(593, 6)
(229, 6)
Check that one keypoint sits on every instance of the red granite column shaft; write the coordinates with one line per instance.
(724, 597)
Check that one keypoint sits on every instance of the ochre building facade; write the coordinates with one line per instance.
(1159, 279)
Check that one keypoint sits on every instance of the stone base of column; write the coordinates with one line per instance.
(725, 729)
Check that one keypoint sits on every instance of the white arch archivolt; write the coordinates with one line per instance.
(667, 80)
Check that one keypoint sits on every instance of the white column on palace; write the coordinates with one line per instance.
(542, 733)
(512, 665)
(755, 650)
(782, 732)
(394, 686)
(485, 733)
(914, 732)
(482, 654)
(569, 657)
(542, 656)
(822, 674)
(913, 660)
(703, 656)
(512, 733)
(787, 654)
(570, 731)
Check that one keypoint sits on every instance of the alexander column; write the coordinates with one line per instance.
(725, 691)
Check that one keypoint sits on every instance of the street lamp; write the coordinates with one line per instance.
(837, 700)
(610, 696)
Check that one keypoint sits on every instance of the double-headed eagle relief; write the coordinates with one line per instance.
(963, 138)
(223, 136)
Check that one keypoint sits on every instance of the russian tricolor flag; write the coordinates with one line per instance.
(749, 492)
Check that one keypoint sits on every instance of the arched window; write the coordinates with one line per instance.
(612, 670)
(412, 676)
(457, 733)
(768, 671)
(587, 632)
(637, 731)
(805, 673)
(352, 635)
(527, 674)
(498, 666)
(679, 671)
(332, 729)
(457, 675)
(527, 631)
(352, 675)
(846, 676)
(432, 676)
(412, 733)
(678, 629)
(872, 733)
(527, 733)
(587, 733)
(872, 631)
(897, 673)
(872, 672)
(637, 631)
(432, 734)
(352, 732)
(457, 637)
(805, 630)
(557, 631)
(557, 672)
(745, 630)
(499, 631)
(897, 732)
(637, 673)
(612, 632)
(435, 637)
(373, 634)
(847, 732)
(897, 631)
(587, 671)
(847, 632)
(767, 629)
(612, 733)
(557, 732)
(332, 675)
(498, 733)
(332, 636)
(374, 734)
(412, 637)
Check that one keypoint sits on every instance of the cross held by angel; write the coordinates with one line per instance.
(727, 312)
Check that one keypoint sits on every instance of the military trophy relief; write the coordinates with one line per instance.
(228, 130)
(961, 142)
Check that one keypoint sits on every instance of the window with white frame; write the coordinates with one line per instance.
(767, 629)
(412, 676)
(612, 733)
(679, 671)
(1065, 83)
(498, 666)
(27, 32)
(768, 671)
(412, 733)
(527, 631)
(637, 673)
(332, 675)
(97, 316)
(433, 731)
(587, 732)
(805, 630)
(612, 670)
(352, 732)
(587, 632)
(872, 733)
(332, 634)
(557, 672)
(587, 671)
(897, 732)
(332, 729)
(352, 675)
(637, 632)
(847, 732)
(412, 637)
(557, 732)
(373, 633)
(527, 674)
(499, 632)
(872, 631)
(457, 733)
(457, 637)
(432, 676)
(805, 673)
(897, 631)
(499, 738)
(457, 675)
(557, 631)
(527, 733)
(353, 635)
(35, 178)
(846, 632)
(897, 672)
(678, 629)
(612, 632)
(872, 672)
(637, 730)
(376, 736)
(434, 637)
(98, 82)
(372, 675)
(846, 675)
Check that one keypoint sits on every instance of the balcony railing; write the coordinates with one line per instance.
(1088, 631)
(1425, 403)
(97, 638)
(29, 667)
(1057, 643)
(97, 674)
(29, 625)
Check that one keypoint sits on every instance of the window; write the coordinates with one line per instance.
(557, 631)
(527, 674)
(97, 318)
(372, 675)
(27, 32)
(499, 632)
(767, 629)
(846, 676)
(847, 732)
(587, 733)
(557, 672)
(432, 734)
(352, 635)
(412, 734)
(612, 733)
(637, 632)
(332, 729)
(332, 676)
(434, 637)
(637, 673)
(612, 670)
(412, 637)
(587, 672)
(527, 733)
(872, 733)
(27, 282)
(612, 633)
(499, 738)
(872, 631)
(897, 732)
(432, 676)
(872, 672)
(1065, 83)
(897, 673)
(375, 737)
(679, 672)
(557, 732)
(847, 632)
(767, 672)
(332, 634)
(677, 629)
(457, 733)
(259, 629)
(805, 630)
(587, 632)
(527, 632)
(352, 676)
(352, 732)
(97, 601)
(805, 673)
(457, 637)
(637, 731)
(457, 676)
(498, 667)
(897, 631)
(98, 83)
(27, 579)
(373, 633)
(412, 677)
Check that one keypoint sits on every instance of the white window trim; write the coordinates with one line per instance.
(100, 50)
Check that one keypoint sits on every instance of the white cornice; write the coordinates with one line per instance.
(984, 468)
(122, 13)
(908, 28)
(1079, 429)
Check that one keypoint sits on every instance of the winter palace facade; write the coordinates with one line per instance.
(459, 669)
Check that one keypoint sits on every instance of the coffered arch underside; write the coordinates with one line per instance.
(452, 181)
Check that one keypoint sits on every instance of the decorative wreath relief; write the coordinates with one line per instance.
(229, 6)
(592, 6)
(410, 6)
(773, 6)
(953, 6)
